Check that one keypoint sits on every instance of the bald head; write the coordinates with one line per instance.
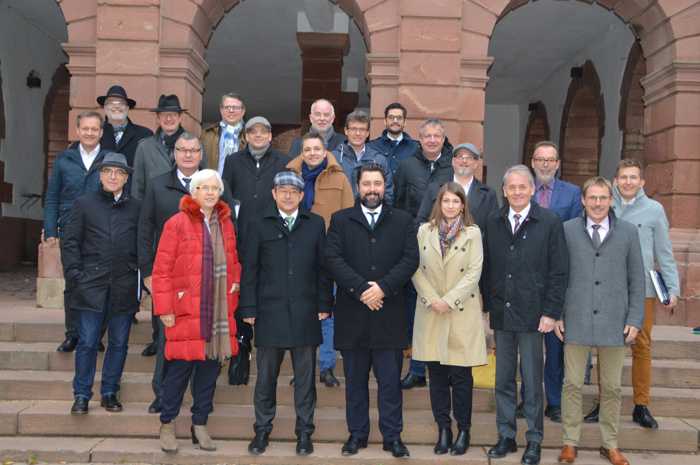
(322, 115)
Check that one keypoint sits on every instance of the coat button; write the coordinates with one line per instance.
(255, 196)
(597, 283)
(595, 312)
(461, 270)
(456, 248)
(507, 304)
(597, 254)
(279, 236)
(352, 289)
(424, 247)
(464, 249)
(472, 296)
(512, 247)
(373, 240)
(510, 276)
(461, 309)
(372, 267)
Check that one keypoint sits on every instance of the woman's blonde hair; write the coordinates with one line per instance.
(453, 188)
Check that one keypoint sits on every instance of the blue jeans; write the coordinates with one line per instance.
(89, 333)
(326, 356)
(415, 367)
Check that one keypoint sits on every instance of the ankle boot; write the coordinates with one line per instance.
(168, 442)
(461, 444)
(444, 441)
(201, 438)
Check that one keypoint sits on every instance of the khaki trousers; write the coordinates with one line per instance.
(610, 361)
(641, 356)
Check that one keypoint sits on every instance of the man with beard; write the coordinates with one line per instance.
(564, 199)
(372, 252)
(480, 197)
(119, 134)
(321, 116)
(154, 155)
(222, 139)
(394, 143)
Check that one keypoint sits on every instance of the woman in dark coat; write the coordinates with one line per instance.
(196, 279)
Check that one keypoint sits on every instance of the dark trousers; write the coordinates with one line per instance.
(71, 317)
(553, 370)
(268, 361)
(458, 399)
(529, 345)
(90, 331)
(177, 376)
(386, 365)
(416, 367)
(159, 368)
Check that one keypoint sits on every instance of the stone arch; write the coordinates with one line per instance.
(537, 130)
(582, 126)
(631, 116)
(56, 110)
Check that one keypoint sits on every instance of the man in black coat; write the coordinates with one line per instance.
(526, 271)
(372, 252)
(249, 173)
(480, 197)
(119, 134)
(99, 260)
(162, 200)
(285, 293)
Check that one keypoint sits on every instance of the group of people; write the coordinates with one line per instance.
(380, 249)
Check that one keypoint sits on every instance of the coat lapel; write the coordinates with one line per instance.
(474, 196)
(455, 248)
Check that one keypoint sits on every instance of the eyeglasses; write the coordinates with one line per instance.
(113, 172)
(115, 103)
(597, 198)
(232, 107)
(545, 160)
(464, 158)
(209, 188)
(190, 151)
(357, 130)
(395, 118)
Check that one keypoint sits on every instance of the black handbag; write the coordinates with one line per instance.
(239, 366)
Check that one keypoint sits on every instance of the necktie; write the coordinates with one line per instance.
(516, 217)
(372, 221)
(596, 235)
(544, 196)
(187, 183)
(289, 221)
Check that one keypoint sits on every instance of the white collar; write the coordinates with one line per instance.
(398, 138)
(466, 186)
(366, 211)
(604, 225)
(285, 215)
(85, 153)
(523, 213)
(181, 176)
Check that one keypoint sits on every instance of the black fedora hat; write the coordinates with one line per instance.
(116, 160)
(116, 91)
(168, 103)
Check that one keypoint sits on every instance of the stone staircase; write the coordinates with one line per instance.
(36, 395)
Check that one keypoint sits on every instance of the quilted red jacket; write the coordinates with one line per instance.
(177, 279)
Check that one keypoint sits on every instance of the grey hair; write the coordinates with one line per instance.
(431, 122)
(205, 175)
(323, 100)
(188, 136)
(519, 169)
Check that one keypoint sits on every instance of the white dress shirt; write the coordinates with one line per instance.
(366, 211)
(466, 186)
(88, 157)
(182, 177)
(602, 231)
(523, 215)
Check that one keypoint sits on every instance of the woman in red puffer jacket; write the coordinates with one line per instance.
(196, 278)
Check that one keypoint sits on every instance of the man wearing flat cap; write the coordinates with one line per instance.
(482, 200)
(119, 133)
(249, 173)
(154, 155)
(99, 262)
(285, 293)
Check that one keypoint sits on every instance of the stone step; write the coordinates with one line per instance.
(52, 418)
(118, 451)
(136, 387)
(675, 373)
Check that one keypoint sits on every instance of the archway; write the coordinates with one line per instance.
(582, 126)
(56, 109)
(631, 120)
(537, 130)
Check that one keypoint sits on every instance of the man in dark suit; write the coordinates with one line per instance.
(372, 252)
(119, 134)
(480, 197)
(526, 262)
(564, 199)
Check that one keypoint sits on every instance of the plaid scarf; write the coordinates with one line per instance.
(214, 306)
(448, 232)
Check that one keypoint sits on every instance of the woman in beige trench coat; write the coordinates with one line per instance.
(448, 332)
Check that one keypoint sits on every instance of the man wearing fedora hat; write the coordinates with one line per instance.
(99, 261)
(154, 155)
(119, 133)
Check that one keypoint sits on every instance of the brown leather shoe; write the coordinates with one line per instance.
(568, 454)
(614, 456)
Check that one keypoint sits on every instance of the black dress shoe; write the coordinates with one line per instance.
(68, 345)
(503, 447)
(532, 453)
(100, 346)
(444, 442)
(80, 406)
(155, 406)
(150, 350)
(353, 445)
(397, 448)
(520, 410)
(259, 443)
(592, 417)
(304, 444)
(111, 403)
(410, 381)
(643, 417)
(328, 378)
(461, 444)
(554, 414)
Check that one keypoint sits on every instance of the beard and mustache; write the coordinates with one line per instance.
(372, 200)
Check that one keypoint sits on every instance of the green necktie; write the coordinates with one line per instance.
(289, 221)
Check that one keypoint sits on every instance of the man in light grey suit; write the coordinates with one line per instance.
(604, 308)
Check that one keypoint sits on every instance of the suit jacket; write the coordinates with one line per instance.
(152, 159)
(481, 201)
(565, 200)
(128, 143)
(356, 254)
(606, 285)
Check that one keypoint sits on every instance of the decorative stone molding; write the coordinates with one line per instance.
(474, 71)
(82, 58)
(383, 69)
(187, 63)
(679, 76)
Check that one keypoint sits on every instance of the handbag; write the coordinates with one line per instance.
(239, 366)
(485, 375)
